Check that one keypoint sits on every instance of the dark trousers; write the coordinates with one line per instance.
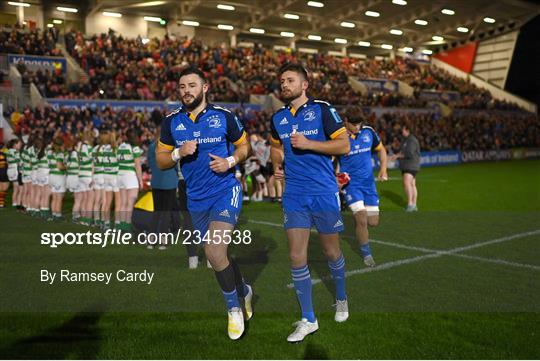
(186, 217)
(165, 216)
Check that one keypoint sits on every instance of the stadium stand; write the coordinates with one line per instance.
(130, 69)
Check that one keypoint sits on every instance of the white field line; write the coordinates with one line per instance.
(476, 258)
(432, 253)
(422, 179)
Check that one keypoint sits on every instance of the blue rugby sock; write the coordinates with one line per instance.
(302, 284)
(365, 250)
(226, 281)
(337, 269)
(231, 299)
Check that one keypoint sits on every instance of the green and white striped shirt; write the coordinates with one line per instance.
(85, 160)
(72, 163)
(110, 160)
(43, 162)
(54, 159)
(97, 153)
(13, 158)
(32, 159)
(126, 157)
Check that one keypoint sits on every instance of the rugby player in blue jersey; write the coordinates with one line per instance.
(199, 135)
(360, 192)
(306, 133)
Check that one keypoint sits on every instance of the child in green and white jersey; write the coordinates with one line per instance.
(34, 195)
(129, 176)
(98, 181)
(42, 179)
(86, 164)
(72, 180)
(110, 186)
(57, 176)
(13, 157)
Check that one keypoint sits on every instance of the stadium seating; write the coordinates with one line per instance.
(123, 69)
(120, 68)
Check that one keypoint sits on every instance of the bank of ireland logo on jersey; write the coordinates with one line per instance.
(365, 138)
(197, 134)
(180, 127)
(309, 116)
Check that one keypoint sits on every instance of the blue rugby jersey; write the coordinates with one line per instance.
(307, 172)
(358, 161)
(214, 129)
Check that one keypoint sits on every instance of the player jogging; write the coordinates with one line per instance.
(305, 135)
(360, 192)
(198, 135)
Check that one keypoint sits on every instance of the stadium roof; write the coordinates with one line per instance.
(400, 23)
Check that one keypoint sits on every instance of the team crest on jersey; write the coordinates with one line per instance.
(283, 121)
(197, 134)
(180, 127)
(309, 116)
(214, 121)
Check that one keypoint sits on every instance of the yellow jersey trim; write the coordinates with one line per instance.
(338, 132)
(166, 146)
(241, 140)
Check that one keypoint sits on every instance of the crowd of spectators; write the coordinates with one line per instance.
(147, 69)
(49, 123)
(19, 39)
(471, 130)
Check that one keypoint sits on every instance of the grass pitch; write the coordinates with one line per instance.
(459, 279)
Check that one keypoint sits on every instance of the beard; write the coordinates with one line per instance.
(290, 95)
(195, 103)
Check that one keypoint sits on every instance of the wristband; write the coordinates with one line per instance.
(231, 161)
(175, 155)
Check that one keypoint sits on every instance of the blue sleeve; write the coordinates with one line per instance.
(376, 140)
(165, 137)
(235, 129)
(332, 123)
(273, 131)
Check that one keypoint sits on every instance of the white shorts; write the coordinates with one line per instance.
(57, 183)
(99, 181)
(84, 184)
(26, 178)
(110, 183)
(42, 177)
(128, 180)
(72, 183)
(12, 174)
(33, 176)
